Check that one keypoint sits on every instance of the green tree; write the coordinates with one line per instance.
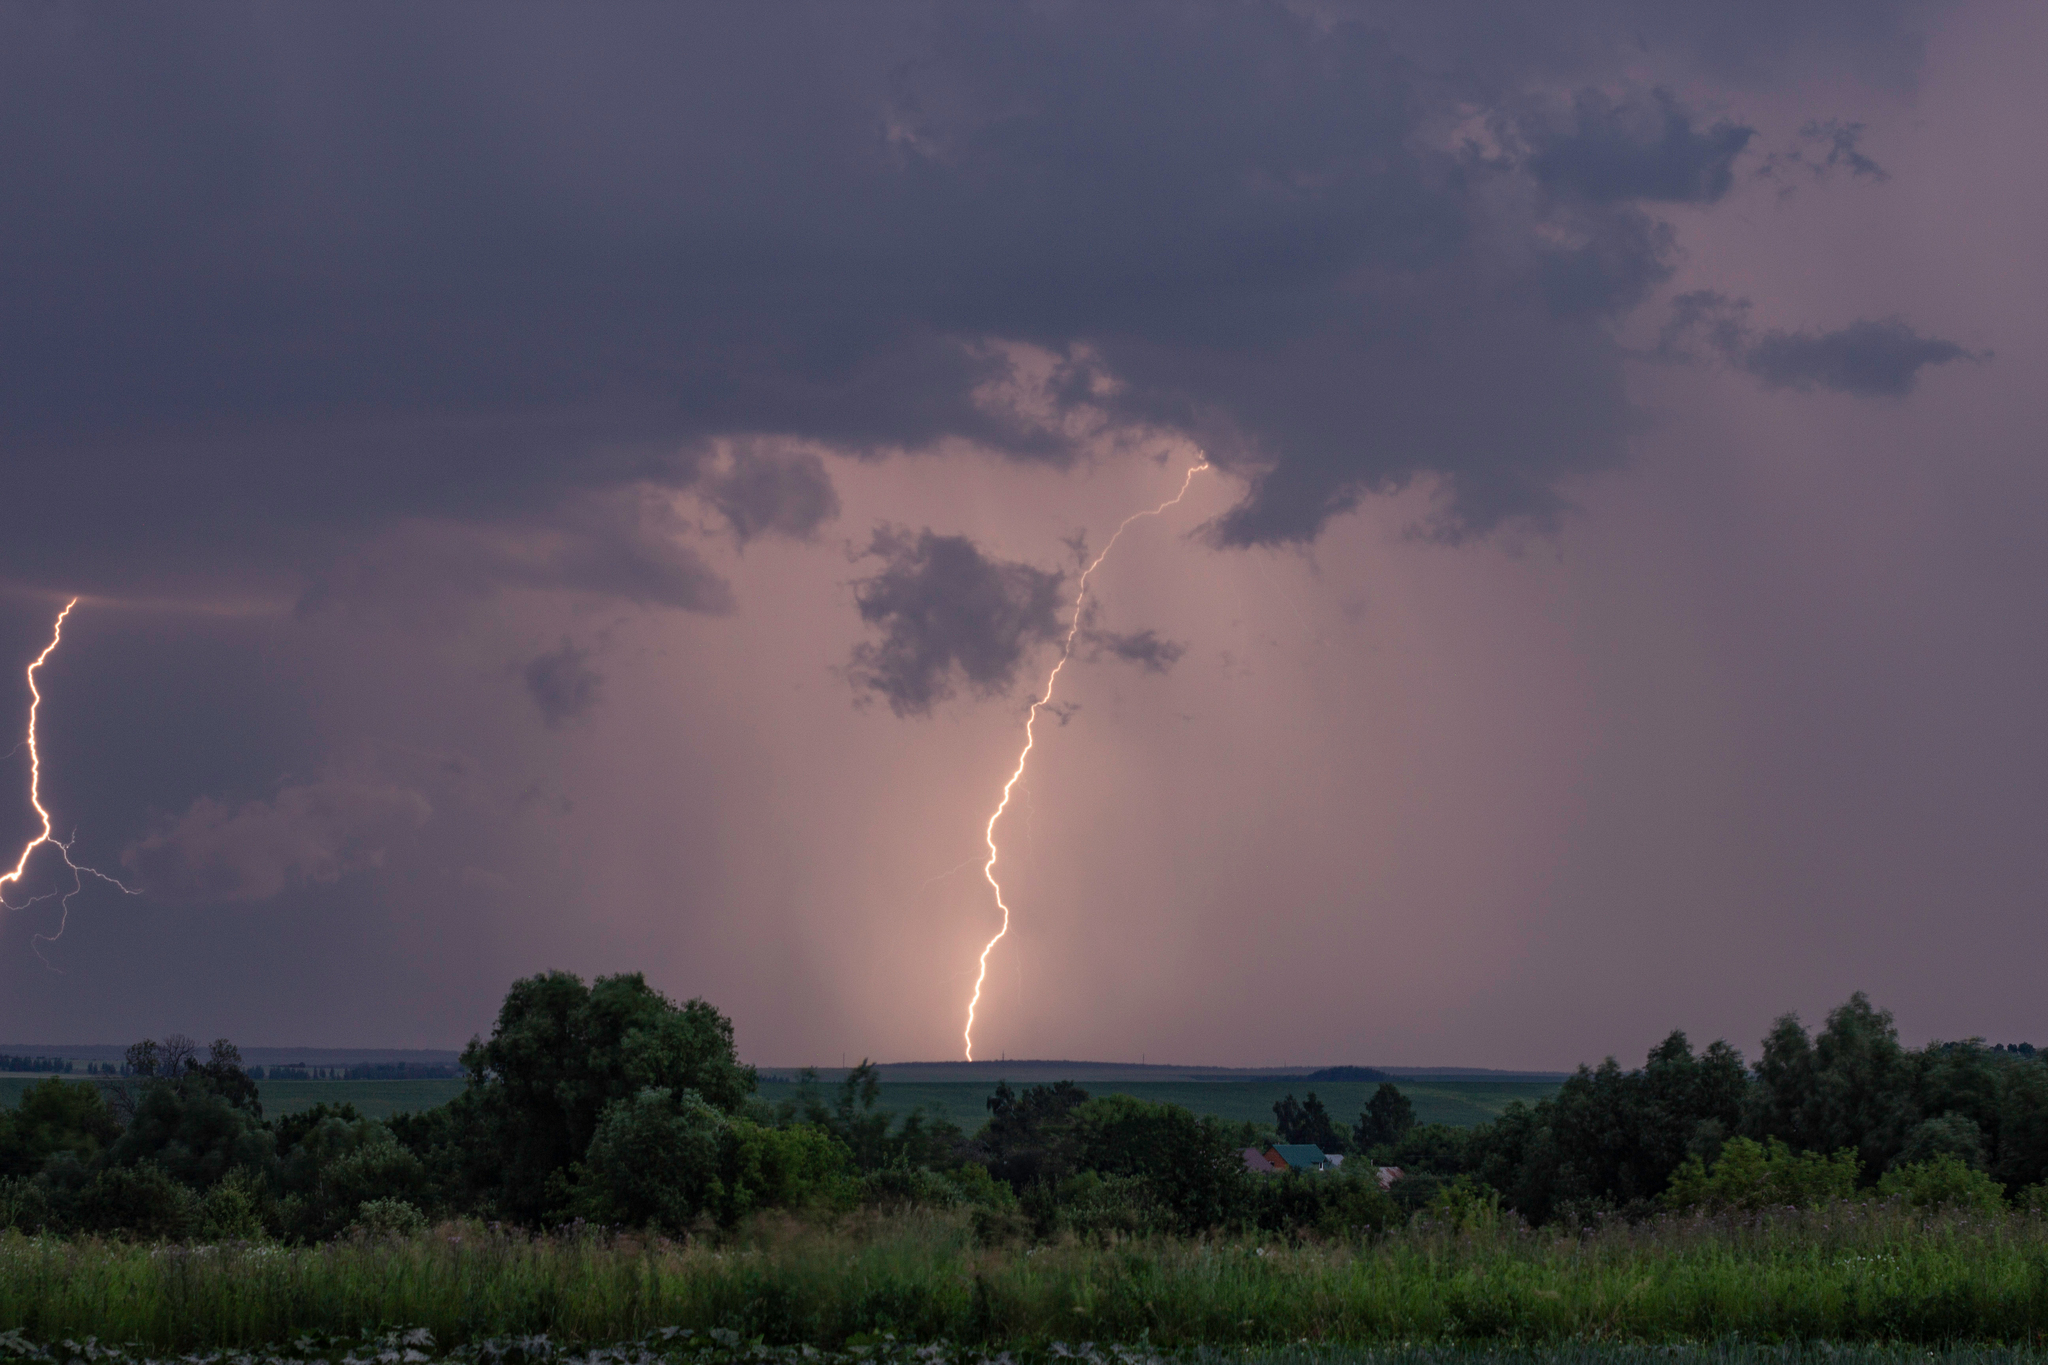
(1611, 1138)
(783, 1168)
(1850, 1087)
(2022, 1156)
(1307, 1121)
(55, 1116)
(1027, 1140)
(193, 1121)
(336, 1163)
(656, 1159)
(854, 1117)
(1189, 1165)
(1954, 1135)
(1385, 1120)
(561, 1052)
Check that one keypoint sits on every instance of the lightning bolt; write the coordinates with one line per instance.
(79, 871)
(1030, 738)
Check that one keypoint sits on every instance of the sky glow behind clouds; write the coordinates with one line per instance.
(1614, 612)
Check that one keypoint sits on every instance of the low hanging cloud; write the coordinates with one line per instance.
(1865, 358)
(947, 615)
(1145, 648)
(628, 543)
(1646, 147)
(1868, 359)
(763, 493)
(563, 684)
(313, 832)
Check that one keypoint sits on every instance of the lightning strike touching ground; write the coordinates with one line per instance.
(1030, 738)
(79, 871)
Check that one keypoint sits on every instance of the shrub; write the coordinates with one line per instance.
(142, 1201)
(782, 1168)
(1952, 1134)
(1944, 1182)
(232, 1211)
(25, 1204)
(1751, 1176)
(655, 1160)
(1331, 1204)
(1466, 1205)
(389, 1218)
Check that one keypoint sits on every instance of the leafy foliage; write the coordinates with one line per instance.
(562, 1052)
(1749, 1175)
(1386, 1119)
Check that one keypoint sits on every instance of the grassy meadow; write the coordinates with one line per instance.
(1460, 1103)
(1849, 1272)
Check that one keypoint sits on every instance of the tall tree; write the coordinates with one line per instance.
(1386, 1118)
(561, 1051)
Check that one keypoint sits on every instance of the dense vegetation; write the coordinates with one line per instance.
(1695, 1195)
(608, 1104)
(1856, 1271)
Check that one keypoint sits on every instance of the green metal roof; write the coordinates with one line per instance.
(1299, 1156)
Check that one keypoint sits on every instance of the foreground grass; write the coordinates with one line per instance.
(1852, 1273)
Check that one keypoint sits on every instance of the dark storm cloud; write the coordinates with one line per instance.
(282, 282)
(625, 543)
(1866, 358)
(947, 613)
(1144, 648)
(563, 684)
(764, 493)
(1641, 148)
(316, 831)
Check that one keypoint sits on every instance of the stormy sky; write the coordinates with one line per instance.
(598, 486)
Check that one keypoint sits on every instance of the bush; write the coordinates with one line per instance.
(232, 1211)
(142, 1201)
(783, 1168)
(25, 1204)
(335, 1164)
(1751, 1176)
(1467, 1205)
(1944, 1182)
(1335, 1204)
(1952, 1134)
(655, 1160)
(388, 1218)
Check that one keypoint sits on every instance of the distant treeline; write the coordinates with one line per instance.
(41, 1064)
(650, 1120)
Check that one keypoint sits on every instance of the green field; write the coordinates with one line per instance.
(1462, 1103)
(376, 1099)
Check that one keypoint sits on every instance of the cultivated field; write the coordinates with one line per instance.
(375, 1099)
(1462, 1103)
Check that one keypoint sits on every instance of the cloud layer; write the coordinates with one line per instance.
(311, 832)
(947, 614)
(275, 293)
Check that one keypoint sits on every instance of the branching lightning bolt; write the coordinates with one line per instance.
(1030, 738)
(79, 871)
